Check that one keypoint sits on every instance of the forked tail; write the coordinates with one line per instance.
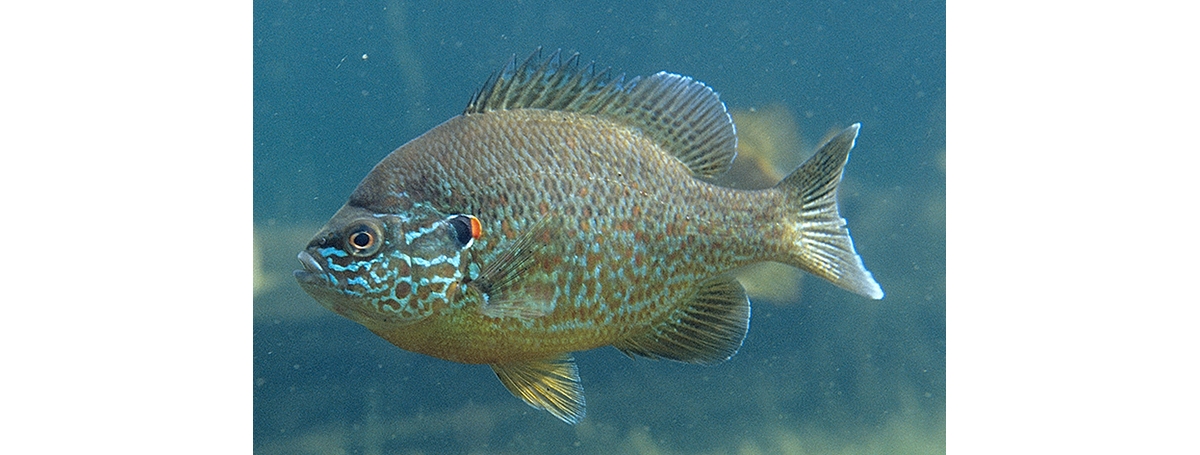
(821, 243)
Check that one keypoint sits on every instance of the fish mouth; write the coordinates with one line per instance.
(313, 273)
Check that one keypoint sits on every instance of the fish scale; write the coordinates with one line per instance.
(591, 223)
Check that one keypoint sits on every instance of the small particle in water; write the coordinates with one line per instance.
(364, 57)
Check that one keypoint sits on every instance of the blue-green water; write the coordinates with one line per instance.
(338, 86)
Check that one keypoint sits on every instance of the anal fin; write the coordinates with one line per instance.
(552, 385)
(708, 329)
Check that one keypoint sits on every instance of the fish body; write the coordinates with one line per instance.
(564, 211)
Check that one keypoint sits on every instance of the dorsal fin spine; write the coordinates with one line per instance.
(530, 95)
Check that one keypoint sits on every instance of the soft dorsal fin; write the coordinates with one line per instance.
(708, 329)
(682, 115)
(551, 385)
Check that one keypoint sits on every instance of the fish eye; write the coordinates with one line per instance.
(465, 229)
(363, 238)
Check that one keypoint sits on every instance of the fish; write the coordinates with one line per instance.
(568, 209)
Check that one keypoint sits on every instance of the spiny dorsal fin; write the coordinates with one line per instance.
(682, 115)
(709, 329)
(552, 385)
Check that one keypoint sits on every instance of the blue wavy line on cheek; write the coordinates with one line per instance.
(351, 267)
(331, 251)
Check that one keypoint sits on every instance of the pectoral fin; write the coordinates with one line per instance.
(708, 329)
(552, 385)
(511, 285)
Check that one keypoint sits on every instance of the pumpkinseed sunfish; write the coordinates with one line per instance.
(566, 210)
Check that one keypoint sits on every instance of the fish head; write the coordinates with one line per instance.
(387, 268)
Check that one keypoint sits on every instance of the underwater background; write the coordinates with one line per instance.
(338, 85)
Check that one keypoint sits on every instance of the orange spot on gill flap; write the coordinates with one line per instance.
(476, 228)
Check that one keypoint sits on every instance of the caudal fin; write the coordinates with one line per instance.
(821, 243)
